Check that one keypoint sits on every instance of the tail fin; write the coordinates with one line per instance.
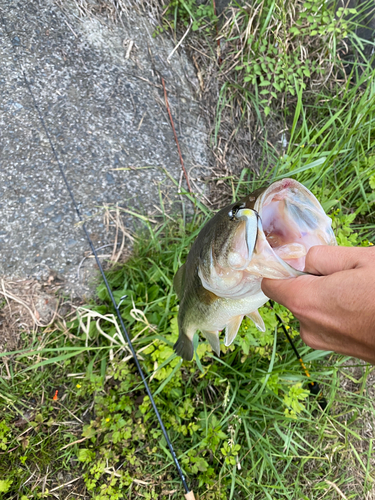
(184, 347)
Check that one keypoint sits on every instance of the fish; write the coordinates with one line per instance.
(267, 234)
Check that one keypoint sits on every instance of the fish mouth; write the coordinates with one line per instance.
(268, 240)
(293, 221)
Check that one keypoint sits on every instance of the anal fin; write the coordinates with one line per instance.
(258, 320)
(231, 329)
(213, 339)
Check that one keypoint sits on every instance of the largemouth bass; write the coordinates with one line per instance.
(265, 235)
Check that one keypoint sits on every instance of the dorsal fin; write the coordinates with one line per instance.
(178, 281)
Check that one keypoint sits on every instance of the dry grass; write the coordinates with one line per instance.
(27, 305)
(115, 9)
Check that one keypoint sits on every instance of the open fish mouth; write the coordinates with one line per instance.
(271, 239)
(293, 221)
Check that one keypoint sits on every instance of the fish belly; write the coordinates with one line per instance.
(224, 310)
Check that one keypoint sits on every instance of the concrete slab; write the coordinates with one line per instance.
(103, 110)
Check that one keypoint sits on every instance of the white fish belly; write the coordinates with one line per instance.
(225, 309)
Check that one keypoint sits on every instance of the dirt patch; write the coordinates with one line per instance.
(28, 304)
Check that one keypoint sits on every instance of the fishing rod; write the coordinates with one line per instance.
(189, 495)
(313, 386)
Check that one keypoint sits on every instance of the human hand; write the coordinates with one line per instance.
(336, 309)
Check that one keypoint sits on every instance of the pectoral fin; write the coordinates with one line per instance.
(231, 329)
(258, 320)
(213, 339)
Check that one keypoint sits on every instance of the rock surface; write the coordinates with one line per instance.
(99, 89)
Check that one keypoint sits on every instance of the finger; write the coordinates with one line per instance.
(325, 259)
(287, 292)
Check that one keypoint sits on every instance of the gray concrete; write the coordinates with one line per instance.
(103, 112)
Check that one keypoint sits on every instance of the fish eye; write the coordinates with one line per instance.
(232, 213)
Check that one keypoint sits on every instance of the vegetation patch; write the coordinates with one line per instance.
(243, 425)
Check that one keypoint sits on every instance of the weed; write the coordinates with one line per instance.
(4, 435)
(187, 12)
(279, 44)
(235, 422)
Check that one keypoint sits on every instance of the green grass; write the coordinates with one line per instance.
(244, 425)
(331, 151)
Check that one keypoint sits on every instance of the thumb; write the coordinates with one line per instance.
(326, 259)
(287, 291)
